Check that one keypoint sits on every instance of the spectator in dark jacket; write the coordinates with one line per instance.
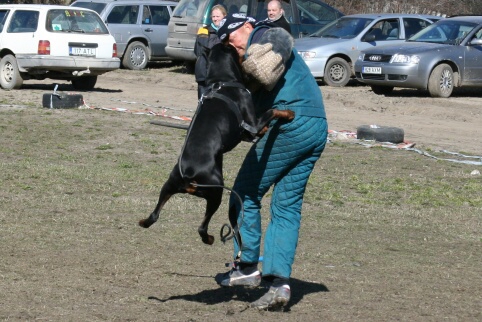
(205, 40)
(276, 15)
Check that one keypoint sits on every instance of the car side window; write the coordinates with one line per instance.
(23, 21)
(123, 15)
(414, 25)
(387, 29)
(3, 17)
(155, 15)
(478, 34)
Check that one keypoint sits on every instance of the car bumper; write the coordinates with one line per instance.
(392, 75)
(317, 66)
(97, 66)
(179, 53)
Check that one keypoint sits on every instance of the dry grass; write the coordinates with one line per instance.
(386, 235)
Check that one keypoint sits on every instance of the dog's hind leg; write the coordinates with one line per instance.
(167, 191)
(213, 200)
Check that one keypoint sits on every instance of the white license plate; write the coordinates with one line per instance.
(80, 51)
(372, 70)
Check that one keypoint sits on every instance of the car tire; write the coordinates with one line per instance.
(62, 100)
(337, 72)
(10, 77)
(441, 81)
(135, 56)
(85, 83)
(382, 90)
(380, 133)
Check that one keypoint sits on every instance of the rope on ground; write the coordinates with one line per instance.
(162, 113)
(350, 137)
(149, 105)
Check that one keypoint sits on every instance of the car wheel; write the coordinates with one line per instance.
(135, 56)
(10, 77)
(441, 81)
(382, 90)
(85, 83)
(337, 72)
(380, 133)
(62, 100)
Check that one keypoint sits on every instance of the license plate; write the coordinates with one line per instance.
(80, 51)
(372, 70)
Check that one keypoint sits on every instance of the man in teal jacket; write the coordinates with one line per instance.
(284, 157)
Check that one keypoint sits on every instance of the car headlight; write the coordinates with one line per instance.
(405, 59)
(361, 57)
(307, 54)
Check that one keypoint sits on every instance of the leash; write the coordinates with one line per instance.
(212, 93)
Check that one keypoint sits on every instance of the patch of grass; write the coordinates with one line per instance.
(382, 230)
(104, 147)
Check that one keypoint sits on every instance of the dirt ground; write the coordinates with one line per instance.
(450, 124)
(386, 236)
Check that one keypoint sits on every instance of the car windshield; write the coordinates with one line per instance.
(343, 28)
(450, 32)
(75, 20)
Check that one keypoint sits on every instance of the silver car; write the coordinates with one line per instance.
(139, 28)
(446, 55)
(331, 52)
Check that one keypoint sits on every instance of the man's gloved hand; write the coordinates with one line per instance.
(264, 64)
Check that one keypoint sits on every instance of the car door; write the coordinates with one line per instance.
(122, 24)
(19, 31)
(311, 15)
(155, 19)
(473, 58)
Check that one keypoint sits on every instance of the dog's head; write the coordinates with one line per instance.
(223, 65)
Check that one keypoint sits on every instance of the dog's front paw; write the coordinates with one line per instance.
(291, 115)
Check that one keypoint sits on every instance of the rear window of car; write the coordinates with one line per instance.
(73, 20)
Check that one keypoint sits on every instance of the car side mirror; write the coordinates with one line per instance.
(369, 38)
(475, 42)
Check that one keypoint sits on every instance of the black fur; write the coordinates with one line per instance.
(214, 130)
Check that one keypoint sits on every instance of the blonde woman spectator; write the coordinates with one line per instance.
(205, 40)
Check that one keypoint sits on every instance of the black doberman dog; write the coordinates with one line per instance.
(225, 116)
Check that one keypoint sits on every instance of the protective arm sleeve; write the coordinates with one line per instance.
(266, 60)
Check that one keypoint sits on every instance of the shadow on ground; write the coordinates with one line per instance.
(299, 289)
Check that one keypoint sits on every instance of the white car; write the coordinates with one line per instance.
(56, 42)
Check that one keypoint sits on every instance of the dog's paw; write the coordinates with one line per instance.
(263, 131)
(291, 115)
(208, 239)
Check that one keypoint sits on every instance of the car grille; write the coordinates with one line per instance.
(377, 58)
(373, 77)
(381, 76)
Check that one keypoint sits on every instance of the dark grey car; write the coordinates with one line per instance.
(443, 56)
